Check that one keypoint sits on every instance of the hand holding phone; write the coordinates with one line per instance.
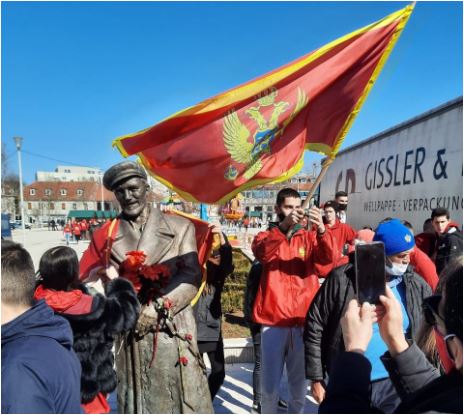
(370, 272)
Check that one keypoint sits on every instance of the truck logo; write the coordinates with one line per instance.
(350, 178)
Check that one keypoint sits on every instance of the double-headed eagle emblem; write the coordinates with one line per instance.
(236, 135)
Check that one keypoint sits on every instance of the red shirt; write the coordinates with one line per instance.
(342, 234)
(289, 280)
(424, 266)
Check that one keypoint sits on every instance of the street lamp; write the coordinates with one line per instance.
(18, 141)
(101, 194)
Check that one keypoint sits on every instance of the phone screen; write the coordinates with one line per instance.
(370, 272)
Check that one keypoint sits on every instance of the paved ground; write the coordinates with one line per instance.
(37, 241)
(235, 396)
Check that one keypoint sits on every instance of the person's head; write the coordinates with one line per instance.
(440, 219)
(427, 227)
(342, 199)
(128, 181)
(59, 269)
(408, 225)
(364, 236)
(18, 276)
(287, 201)
(330, 211)
(399, 242)
(444, 311)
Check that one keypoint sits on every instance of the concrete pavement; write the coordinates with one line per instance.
(37, 241)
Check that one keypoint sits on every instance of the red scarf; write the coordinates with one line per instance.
(60, 301)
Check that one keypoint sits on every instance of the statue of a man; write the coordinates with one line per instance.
(158, 364)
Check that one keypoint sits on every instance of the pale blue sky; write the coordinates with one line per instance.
(76, 75)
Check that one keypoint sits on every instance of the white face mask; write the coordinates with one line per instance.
(396, 269)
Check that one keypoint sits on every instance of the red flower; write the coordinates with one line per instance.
(134, 260)
(167, 304)
(150, 272)
(183, 360)
(134, 278)
(188, 337)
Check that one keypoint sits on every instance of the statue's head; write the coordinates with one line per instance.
(128, 181)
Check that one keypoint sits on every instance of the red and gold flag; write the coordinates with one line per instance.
(257, 133)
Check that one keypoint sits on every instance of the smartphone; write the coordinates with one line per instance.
(370, 272)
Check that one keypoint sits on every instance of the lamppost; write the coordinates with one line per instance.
(18, 141)
(101, 194)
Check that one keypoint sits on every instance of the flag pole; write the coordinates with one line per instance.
(322, 173)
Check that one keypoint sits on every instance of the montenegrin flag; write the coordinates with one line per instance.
(257, 133)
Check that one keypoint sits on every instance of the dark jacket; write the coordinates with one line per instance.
(40, 371)
(448, 246)
(323, 337)
(93, 335)
(208, 310)
(418, 383)
(254, 276)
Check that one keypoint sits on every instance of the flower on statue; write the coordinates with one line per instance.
(148, 280)
(183, 360)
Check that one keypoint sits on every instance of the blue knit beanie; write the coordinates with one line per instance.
(395, 236)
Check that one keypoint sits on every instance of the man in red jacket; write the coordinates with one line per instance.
(291, 257)
(342, 233)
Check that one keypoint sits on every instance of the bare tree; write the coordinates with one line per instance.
(4, 161)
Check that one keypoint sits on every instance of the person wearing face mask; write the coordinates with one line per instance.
(341, 198)
(417, 382)
(323, 336)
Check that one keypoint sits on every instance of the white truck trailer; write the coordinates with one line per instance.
(404, 172)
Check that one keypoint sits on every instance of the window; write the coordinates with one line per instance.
(91, 171)
(48, 192)
(269, 209)
(52, 206)
(29, 206)
(67, 171)
(79, 192)
(86, 207)
(32, 192)
(63, 206)
(63, 192)
(74, 205)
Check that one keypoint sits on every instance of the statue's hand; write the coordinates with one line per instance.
(147, 320)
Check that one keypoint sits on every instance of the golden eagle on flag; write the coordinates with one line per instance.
(258, 132)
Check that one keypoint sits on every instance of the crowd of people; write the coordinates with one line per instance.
(76, 230)
(65, 347)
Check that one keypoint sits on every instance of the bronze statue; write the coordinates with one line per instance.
(158, 365)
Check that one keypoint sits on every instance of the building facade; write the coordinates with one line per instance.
(259, 203)
(70, 174)
(47, 200)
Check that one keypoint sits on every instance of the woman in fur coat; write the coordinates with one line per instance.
(95, 320)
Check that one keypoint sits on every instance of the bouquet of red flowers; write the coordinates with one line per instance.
(148, 280)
